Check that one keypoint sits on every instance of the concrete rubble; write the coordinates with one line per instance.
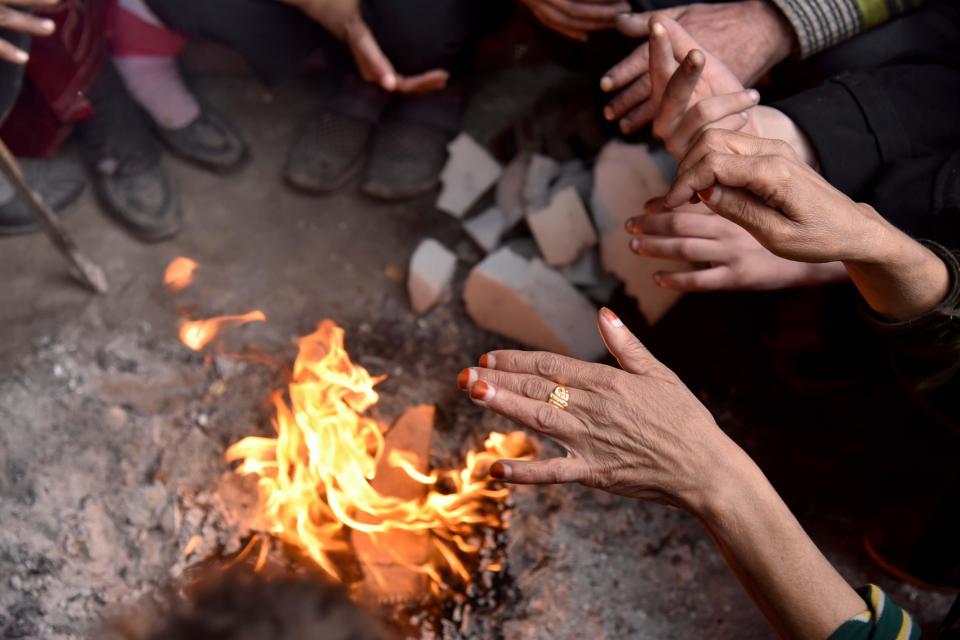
(510, 187)
(487, 228)
(533, 304)
(574, 173)
(540, 174)
(562, 229)
(470, 171)
(431, 270)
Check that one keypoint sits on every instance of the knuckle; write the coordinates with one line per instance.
(712, 138)
(532, 388)
(545, 418)
(549, 366)
(713, 159)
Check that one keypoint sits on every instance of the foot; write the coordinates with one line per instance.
(328, 151)
(209, 141)
(406, 160)
(59, 182)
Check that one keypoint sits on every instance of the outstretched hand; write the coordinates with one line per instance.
(576, 19)
(23, 22)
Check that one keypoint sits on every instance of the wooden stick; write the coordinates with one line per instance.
(84, 269)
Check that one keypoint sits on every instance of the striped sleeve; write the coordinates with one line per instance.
(820, 24)
(882, 620)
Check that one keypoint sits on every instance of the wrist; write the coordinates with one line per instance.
(727, 475)
(781, 36)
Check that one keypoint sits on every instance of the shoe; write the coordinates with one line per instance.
(126, 163)
(406, 160)
(210, 141)
(328, 152)
(59, 182)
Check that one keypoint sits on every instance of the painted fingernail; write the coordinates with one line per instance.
(633, 225)
(606, 84)
(611, 318)
(466, 378)
(482, 391)
(488, 361)
(500, 471)
(48, 26)
(636, 245)
(710, 195)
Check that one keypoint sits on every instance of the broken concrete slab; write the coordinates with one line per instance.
(585, 270)
(510, 187)
(625, 177)
(563, 229)
(431, 269)
(524, 247)
(487, 228)
(603, 291)
(574, 173)
(469, 172)
(540, 174)
(533, 304)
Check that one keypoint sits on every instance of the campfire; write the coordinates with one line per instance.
(350, 493)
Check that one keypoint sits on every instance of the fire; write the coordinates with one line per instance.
(197, 334)
(314, 477)
(179, 274)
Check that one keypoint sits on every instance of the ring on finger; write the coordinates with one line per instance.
(559, 397)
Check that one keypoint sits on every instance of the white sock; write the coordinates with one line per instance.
(157, 86)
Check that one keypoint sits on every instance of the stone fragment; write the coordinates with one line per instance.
(603, 291)
(536, 188)
(487, 228)
(525, 247)
(469, 172)
(431, 270)
(533, 304)
(574, 173)
(625, 177)
(585, 270)
(562, 229)
(510, 190)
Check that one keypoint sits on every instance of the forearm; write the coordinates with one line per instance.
(334, 15)
(794, 585)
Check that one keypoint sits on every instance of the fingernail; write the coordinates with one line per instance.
(743, 115)
(633, 225)
(500, 471)
(466, 378)
(48, 25)
(20, 56)
(636, 245)
(710, 195)
(606, 84)
(611, 318)
(608, 113)
(488, 361)
(389, 82)
(482, 391)
(754, 95)
(658, 30)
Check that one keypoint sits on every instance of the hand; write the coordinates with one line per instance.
(734, 258)
(635, 431)
(748, 37)
(16, 20)
(342, 18)
(689, 97)
(577, 18)
(764, 187)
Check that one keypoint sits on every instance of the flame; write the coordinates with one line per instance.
(197, 334)
(179, 274)
(314, 477)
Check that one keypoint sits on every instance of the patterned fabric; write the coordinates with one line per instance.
(883, 620)
(820, 24)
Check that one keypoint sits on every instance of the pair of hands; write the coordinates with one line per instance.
(344, 20)
(15, 19)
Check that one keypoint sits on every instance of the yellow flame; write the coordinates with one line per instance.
(179, 274)
(197, 334)
(314, 476)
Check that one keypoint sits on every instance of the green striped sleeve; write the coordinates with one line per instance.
(882, 620)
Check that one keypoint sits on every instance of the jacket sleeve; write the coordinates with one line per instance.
(820, 24)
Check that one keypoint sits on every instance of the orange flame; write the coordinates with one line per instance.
(197, 334)
(315, 475)
(179, 274)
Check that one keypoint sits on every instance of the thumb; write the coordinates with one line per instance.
(622, 344)
(634, 25)
(745, 209)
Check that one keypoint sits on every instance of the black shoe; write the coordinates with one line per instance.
(125, 160)
(328, 151)
(209, 141)
(59, 182)
(406, 160)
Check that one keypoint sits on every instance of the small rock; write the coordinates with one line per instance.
(469, 172)
(510, 188)
(487, 228)
(563, 229)
(431, 270)
(585, 270)
(540, 173)
(574, 173)
(524, 247)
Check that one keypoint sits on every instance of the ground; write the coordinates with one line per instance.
(112, 434)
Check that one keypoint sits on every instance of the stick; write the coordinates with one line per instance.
(83, 268)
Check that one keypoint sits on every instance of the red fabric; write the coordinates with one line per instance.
(134, 36)
(62, 68)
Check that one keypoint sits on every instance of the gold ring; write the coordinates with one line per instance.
(559, 397)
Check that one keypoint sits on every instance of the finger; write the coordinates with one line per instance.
(623, 345)
(634, 25)
(681, 42)
(638, 118)
(568, 21)
(677, 93)
(761, 175)
(15, 20)
(712, 279)
(12, 54)
(746, 210)
(603, 12)
(728, 111)
(661, 51)
(373, 63)
(634, 66)
(32, 3)
(630, 98)
(719, 140)
(432, 80)
(685, 249)
(524, 384)
(573, 34)
(552, 471)
(539, 416)
(552, 366)
(676, 223)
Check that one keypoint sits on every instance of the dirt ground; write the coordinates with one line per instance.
(111, 437)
